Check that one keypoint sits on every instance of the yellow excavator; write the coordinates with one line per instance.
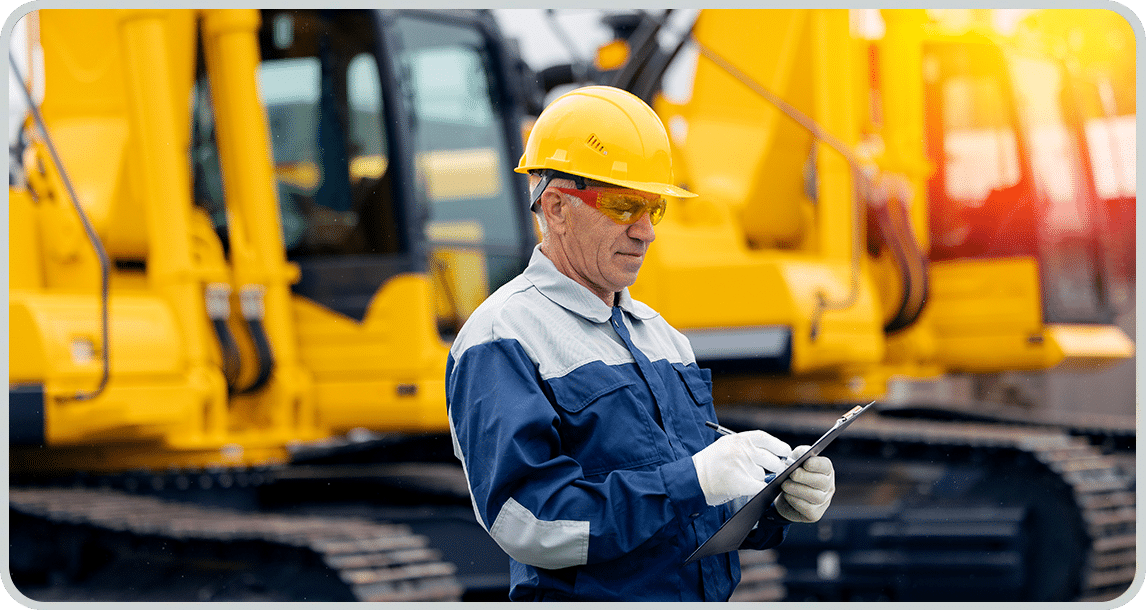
(241, 241)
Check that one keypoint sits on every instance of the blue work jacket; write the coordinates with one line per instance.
(576, 424)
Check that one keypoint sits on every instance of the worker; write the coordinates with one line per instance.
(579, 414)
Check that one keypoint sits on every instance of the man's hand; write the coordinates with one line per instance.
(808, 492)
(735, 465)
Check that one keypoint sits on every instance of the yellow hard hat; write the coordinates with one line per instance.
(605, 134)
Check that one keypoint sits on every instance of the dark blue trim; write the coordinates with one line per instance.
(26, 415)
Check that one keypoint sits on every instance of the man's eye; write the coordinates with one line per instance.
(628, 206)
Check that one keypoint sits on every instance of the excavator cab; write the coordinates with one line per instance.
(1010, 179)
(392, 136)
(1017, 234)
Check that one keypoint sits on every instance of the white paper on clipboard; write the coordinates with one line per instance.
(736, 529)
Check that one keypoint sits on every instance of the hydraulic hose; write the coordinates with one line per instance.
(887, 211)
(219, 310)
(251, 301)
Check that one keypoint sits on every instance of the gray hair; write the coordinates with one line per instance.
(534, 180)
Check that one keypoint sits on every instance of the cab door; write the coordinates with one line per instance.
(462, 101)
(1015, 238)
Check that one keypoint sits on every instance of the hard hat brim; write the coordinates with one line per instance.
(659, 188)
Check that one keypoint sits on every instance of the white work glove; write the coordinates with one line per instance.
(735, 465)
(807, 493)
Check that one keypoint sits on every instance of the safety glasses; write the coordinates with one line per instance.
(622, 206)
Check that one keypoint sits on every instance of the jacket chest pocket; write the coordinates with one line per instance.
(697, 384)
(604, 419)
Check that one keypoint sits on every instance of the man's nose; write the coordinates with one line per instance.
(643, 229)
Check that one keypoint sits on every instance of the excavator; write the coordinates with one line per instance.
(228, 322)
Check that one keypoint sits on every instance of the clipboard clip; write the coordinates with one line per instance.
(856, 410)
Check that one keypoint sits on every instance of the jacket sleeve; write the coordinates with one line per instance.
(535, 501)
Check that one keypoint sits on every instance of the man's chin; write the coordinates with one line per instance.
(624, 280)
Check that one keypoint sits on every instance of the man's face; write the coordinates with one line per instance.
(604, 255)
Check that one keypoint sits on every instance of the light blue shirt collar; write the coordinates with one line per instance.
(567, 293)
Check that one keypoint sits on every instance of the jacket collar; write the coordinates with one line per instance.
(566, 292)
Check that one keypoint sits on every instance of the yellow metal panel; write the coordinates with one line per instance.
(839, 216)
(68, 259)
(88, 102)
(66, 329)
(701, 277)
(410, 405)
(80, 56)
(385, 373)
(985, 296)
(26, 360)
(55, 341)
(991, 353)
(124, 412)
(99, 181)
(1088, 347)
(25, 269)
(739, 149)
(900, 68)
(987, 315)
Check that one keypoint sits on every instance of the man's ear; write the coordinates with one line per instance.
(555, 210)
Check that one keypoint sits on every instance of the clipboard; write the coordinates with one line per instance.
(736, 529)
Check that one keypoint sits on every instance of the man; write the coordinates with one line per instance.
(578, 413)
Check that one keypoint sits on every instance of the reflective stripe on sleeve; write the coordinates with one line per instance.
(550, 545)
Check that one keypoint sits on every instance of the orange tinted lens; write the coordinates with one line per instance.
(657, 210)
(627, 208)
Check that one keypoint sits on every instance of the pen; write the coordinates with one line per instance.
(725, 431)
(719, 428)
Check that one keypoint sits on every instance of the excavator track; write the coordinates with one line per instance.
(1095, 496)
(357, 559)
